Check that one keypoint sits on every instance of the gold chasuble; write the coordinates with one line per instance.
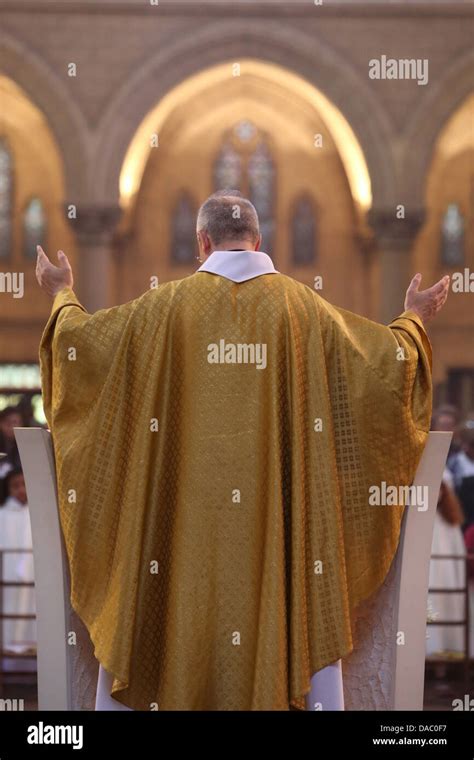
(217, 447)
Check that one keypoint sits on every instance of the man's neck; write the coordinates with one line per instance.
(234, 245)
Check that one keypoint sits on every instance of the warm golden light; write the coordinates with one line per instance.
(458, 133)
(344, 138)
(21, 117)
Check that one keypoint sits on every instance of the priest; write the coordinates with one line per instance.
(216, 443)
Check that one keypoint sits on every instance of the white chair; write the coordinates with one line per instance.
(379, 675)
(386, 671)
(67, 668)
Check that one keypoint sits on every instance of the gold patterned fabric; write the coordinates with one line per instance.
(216, 514)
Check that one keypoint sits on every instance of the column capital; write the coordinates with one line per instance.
(94, 225)
(393, 232)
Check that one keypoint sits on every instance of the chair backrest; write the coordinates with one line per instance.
(382, 672)
(413, 578)
(67, 669)
(386, 669)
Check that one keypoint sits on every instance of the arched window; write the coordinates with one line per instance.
(261, 191)
(6, 199)
(303, 232)
(245, 163)
(228, 168)
(184, 246)
(452, 236)
(34, 227)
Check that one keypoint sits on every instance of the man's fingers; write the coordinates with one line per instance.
(441, 286)
(441, 299)
(41, 253)
(440, 296)
(444, 297)
(40, 259)
(63, 260)
(414, 284)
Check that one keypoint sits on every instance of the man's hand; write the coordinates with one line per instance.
(426, 303)
(53, 279)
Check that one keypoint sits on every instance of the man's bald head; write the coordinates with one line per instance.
(227, 216)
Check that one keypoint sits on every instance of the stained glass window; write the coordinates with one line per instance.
(184, 246)
(245, 163)
(452, 236)
(6, 199)
(261, 179)
(303, 232)
(228, 168)
(245, 130)
(34, 228)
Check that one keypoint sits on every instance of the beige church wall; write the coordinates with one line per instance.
(189, 144)
(338, 259)
(127, 61)
(138, 38)
(453, 347)
(370, 290)
(450, 180)
(37, 173)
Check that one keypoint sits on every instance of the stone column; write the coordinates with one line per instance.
(94, 228)
(395, 238)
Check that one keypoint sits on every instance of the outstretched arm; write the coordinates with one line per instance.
(78, 350)
(394, 358)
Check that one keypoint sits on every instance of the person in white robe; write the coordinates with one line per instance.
(447, 573)
(18, 635)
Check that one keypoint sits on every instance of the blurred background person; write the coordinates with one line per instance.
(17, 565)
(447, 573)
(462, 468)
(10, 418)
(25, 408)
(446, 419)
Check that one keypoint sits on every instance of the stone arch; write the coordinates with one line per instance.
(315, 62)
(190, 125)
(419, 138)
(448, 181)
(48, 93)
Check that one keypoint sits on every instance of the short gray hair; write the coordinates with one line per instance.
(227, 215)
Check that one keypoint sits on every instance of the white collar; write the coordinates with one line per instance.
(238, 266)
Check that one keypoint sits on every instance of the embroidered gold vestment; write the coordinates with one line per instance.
(216, 512)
